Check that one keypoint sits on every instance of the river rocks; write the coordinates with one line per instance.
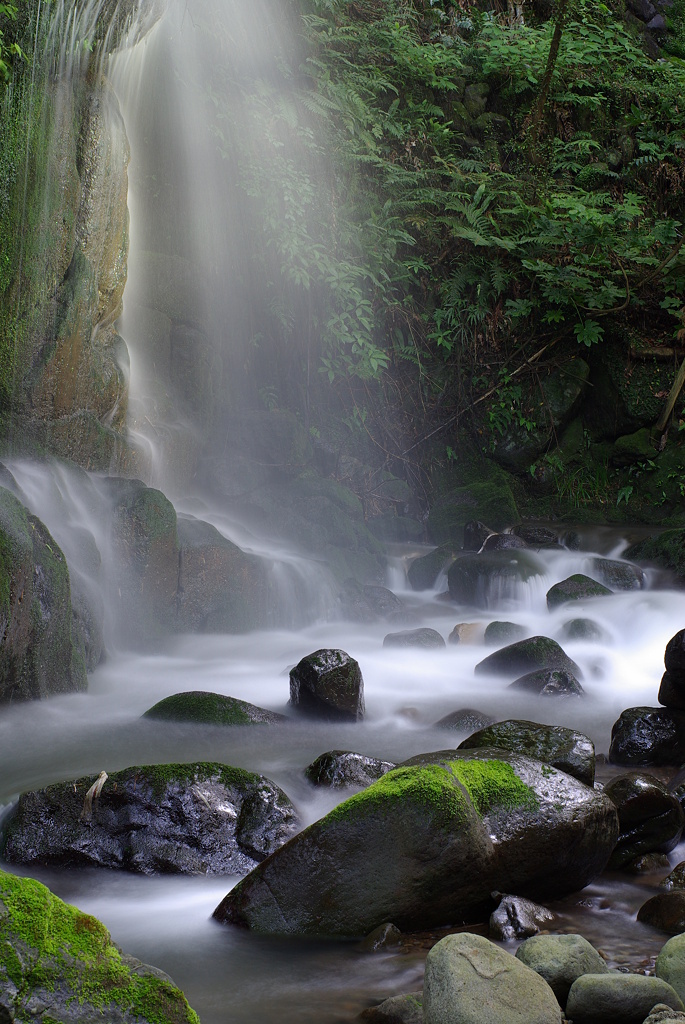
(549, 683)
(676, 878)
(38, 657)
(497, 633)
(385, 936)
(219, 588)
(187, 818)
(503, 542)
(328, 684)
(618, 575)
(613, 998)
(582, 629)
(517, 918)
(339, 768)
(537, 652)
(648, 736)
(427, 844)
(670, 964)
(569, 751)
(665, 912)
(537, 536)
(575, 588)
(406, 1009)
(198, 707)
(470, 980)
(58, 964)
(650, 818)
(560, 959)
(485, 580)
(662, 1014)
(465, 720)
(422, 637)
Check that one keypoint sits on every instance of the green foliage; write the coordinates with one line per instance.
(10, 49)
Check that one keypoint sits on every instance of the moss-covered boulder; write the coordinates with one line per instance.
(490, 501)
(650, 818)
(537, 652)
(199, 707)
(220, 588)
(60, 965)
(502, 632)
(576, 588)
(488, 578)
(569, 751)
(605, 998)
(201, 818)
(328, 684)
(38, 656)
(427, 844)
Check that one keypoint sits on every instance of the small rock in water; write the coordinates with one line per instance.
(503, 542)
(582, 629)
(618, 575)
(676, 879)
(465, 720)
(613, 998)
(665, 912)
(423, 637)
(549, 683)
(517, 918)
(466, 633)
(385, 935)
(648, 864)
(503, 633)
(338, 768)
(205, 708)
(537, 536)
(560, 959)
(328, 684)
(537, 652)
(569, 751)
(406, 1009)
(576, 588)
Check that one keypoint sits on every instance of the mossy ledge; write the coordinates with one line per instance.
(52, 948)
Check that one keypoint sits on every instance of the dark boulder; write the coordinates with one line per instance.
(665, 912)
(475, 535)
(672, 692)
(405, 1009)
(575, 588)
(648, 736)
(385, 936)
(672, 689)
(503, 542)
(676, 878)
(328, 684)
(465, 720)
(569, 751)
(202, 818)
(422, 637)
(200, 707)
(537, 536)
(485, 580)
(549, 683)
(537, 652)
(59, 964)
(618, 575)
(650, 818)
(424, 570)
(517, 918)
(427, 844)
(338, 768)
(667, 550)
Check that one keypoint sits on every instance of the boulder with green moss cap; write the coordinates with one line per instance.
(200, 707)
(569, 751)
(427, 844)
(201, 818)
(58, 964)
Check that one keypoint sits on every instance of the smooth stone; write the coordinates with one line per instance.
(465, 720)
(674, 655)
(617, 998)
(470, 980)
(665, 912)
(549, 683)
(576, 588)
(670, 964)
(503, 542)
(405, 1009)
(386, 935)
(422, 637)
(651, 819)
(466, 633)
(536, 652)
(338, 768)
(569, 751)
(582, 629)
(671, 692)
(328, 684)
(503, 633)
(517, 918)
(560, 959)
(537, 536)
(200, 707)
(618, 575)
(648, 736)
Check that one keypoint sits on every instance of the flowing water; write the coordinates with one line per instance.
(227, 974)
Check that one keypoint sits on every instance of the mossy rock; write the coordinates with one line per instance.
(491, 502)
(198, 818)
(59, 964)
(344, 768)
(576, 588)
(427, 844)
(38, 657)
(537, 652)
(565, 749)
(199, 707)
(632, 448)
(624, 396)
(498, 632)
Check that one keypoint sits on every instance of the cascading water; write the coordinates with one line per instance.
(230, 975)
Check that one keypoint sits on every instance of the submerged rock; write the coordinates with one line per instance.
(582, 629)
(650, 818)
(575, 588)
(470, 980)
(367, 603)
(422, 637)
(424, 570)
(560, 959)
(328, 684)
(648, 736)
(200, 707)
(58, 964)
(537, 652)
(569, 751)
(427, 844)
(202, 818)
(338, 768)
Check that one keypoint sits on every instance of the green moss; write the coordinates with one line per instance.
(494, 785)
(160, 776)
(201, 707)
(431, 786)
(60, 944)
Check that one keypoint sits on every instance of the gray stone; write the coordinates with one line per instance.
(422, 637)
(648, 736)
(517, 918)
(549, 683)
(650, 818)
(665, 912)
(670, 964)
(406, 1009)
(470, 980)
(618, 575)
(328, 684)
(560, 959)
(617, 998)
(339, 768)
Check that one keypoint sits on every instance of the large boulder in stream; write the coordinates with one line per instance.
(650, 818)
(328, 684)
(648, 736)
(202, 818)
(58, 964)
(38, 657)
(427, 844)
